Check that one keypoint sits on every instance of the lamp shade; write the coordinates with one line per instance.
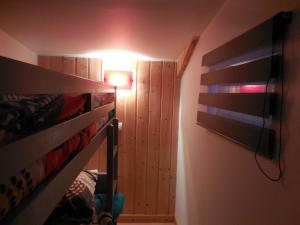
(121, 79)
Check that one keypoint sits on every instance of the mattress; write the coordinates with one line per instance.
(23, 115)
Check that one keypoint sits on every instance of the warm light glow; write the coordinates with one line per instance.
(117, 54)
(119, 60)
(121, 79)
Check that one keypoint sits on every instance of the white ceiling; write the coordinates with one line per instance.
(156, 28)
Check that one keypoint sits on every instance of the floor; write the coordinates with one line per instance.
(146, 223)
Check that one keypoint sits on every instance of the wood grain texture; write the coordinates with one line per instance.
(129, 128)
(69, 65)
(121, 145)
(82, 67)
(93, 162)
(56, 63)
(143, 73)
(148, 140)
(175, 123)
(44, 61)
(154, 137)
(102, 156)
(140, 218)
(185, 56)
(165, 137)
(95, 68)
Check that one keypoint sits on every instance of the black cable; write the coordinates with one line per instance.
(279, 176)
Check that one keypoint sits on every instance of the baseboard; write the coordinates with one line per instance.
(142, 218)
(175, 221)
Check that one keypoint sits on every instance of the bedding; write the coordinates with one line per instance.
(81, 203)
(55, 158)
(101, 99)
(17, 187)
(77, 205)
(21, 116)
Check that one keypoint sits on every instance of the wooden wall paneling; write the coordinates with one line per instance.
(143, 71)
(130, 148)
(175, 122)
(148, 139)
(151, 219)
(153, 137)
(82, 67)
(93, 162)
(166, 137)
(44, 61)
(102, 156)
(56, 63)
(69, 65)
(121, 144)
(95, 68)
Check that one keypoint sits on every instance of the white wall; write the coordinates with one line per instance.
(218, 182)
(11, 48)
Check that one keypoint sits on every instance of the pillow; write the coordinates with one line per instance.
(77, 205)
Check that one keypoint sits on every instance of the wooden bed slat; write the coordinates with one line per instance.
(255, 71)
(249, 103)
(242, 133)
(38, 207)
(31, 148)
(15, 79)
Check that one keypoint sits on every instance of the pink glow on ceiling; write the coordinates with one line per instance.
(156, 28)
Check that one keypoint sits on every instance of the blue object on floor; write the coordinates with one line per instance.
(118, 204)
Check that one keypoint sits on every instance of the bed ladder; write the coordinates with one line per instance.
(112, 164)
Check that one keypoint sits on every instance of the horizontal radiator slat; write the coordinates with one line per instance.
(242, 133)
(263, 35)
(252, 104)
(256, 71)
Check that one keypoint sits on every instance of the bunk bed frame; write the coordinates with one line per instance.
(22, 78)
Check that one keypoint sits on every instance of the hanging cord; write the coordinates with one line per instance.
(280, 173)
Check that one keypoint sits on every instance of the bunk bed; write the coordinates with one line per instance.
(50, 125)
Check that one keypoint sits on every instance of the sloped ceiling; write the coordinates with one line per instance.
(156, 28)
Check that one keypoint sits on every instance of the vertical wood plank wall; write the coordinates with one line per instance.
(148, 139)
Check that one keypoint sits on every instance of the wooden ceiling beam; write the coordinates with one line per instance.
(185, 56)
